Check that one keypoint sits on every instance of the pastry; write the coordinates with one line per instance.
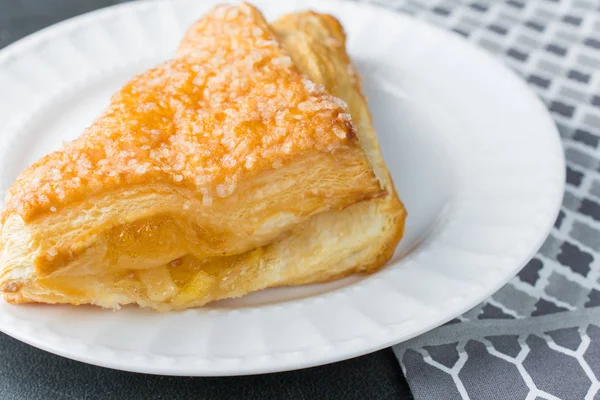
(248, 161)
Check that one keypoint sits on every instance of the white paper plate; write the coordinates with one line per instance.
(474, 154)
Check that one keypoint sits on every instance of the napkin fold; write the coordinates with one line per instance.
(539, 336)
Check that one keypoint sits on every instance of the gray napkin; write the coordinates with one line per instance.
(539, 336)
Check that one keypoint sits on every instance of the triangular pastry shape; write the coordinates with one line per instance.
(247, 161)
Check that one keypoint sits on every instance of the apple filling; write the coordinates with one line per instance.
(155, 261)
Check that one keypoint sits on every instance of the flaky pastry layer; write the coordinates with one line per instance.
(248, 161)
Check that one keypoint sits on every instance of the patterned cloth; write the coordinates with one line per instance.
(539, 336)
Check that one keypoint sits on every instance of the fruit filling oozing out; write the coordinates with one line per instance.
(138, 267)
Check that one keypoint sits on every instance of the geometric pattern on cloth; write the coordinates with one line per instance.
(554, 45)
(507, 366)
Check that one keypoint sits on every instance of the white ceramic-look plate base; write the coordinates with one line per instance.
(474, 155)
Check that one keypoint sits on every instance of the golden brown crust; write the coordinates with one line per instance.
(317, 43)
(230, 105)
(249, 161)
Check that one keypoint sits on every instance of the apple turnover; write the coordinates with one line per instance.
(247, 161)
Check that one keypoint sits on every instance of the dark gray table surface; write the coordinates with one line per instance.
(27, 373)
